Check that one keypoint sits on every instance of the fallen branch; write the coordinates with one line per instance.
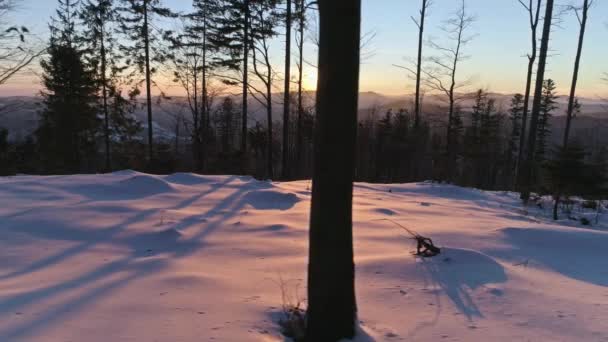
(424, 246)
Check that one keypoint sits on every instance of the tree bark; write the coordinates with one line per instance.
(531, 60)
(302, 18)
(286, 97)
(536, 105)
(245, 83)
(331, 271)
(148, 82)
(104, 90)
(419, 63)
(577, 62)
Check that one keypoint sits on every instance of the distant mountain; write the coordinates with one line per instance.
(20, 114)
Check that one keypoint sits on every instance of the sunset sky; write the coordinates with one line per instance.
(497, 60)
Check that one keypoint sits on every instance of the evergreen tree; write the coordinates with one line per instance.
(547, 106)
(136, 23)
(100, 51)
(193, 53)
(565, 174)
(515, 117)
(235, 40)
(69, 123)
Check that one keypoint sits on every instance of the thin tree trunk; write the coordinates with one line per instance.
(104, 86)
(205, 110)
(300, 80)
(331, 273)
(148, 82)
(536, 105)
(577, 63)
(245, 83)
(270, 149)
(419, 63)
(286, 97)
(531, 60)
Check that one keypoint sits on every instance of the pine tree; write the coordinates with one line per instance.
(515, 117)
(548, 105)
(136, 24)
(265, 19)
(235, 40)
(69, 123)
(193, 51)
(565, 174)
(101, 54)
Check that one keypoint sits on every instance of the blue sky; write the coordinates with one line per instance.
(497, 60)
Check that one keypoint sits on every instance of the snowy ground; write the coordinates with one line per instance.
(134, 257)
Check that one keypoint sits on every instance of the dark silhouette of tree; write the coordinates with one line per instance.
(16, 49)
(286, 92)
(265, 20)
(582, 14)
(515, 117)
(534, 17)
(140, 38)
(68, 123)
(443, 76)
(536, 105)
(234, 36)
(194, 50)
(97, 14)
(548, 105)
(420, 24)
(331, 271)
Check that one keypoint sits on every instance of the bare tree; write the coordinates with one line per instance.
(16, 53)
(536, 105)
(534, 17)
(266, 19)
(331, 271)
(582, 14)
(420, 24)
(442, 76)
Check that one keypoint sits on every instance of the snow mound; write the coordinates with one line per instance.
(134, 187)
(188, 179)
(126, 173)
(573, 252)
(270, 200)
(146, 184)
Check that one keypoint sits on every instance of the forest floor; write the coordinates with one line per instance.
(135, 257)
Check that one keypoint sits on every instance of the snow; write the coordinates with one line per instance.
(134, 257)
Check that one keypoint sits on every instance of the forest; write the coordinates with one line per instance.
(496, 165)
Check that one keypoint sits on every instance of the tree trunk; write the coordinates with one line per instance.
(270, 149)
(245, 84)
(148, 82)
(556, 206)
(536, 105)
(286, 97)
(419, 63)
(300, 80)
(531, 60)
(577, 63)
(331, 271)
(104, 85)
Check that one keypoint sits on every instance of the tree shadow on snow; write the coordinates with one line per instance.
(573, 252)
(94, 284)
(458, 271)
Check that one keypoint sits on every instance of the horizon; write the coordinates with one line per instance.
(395, 40)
